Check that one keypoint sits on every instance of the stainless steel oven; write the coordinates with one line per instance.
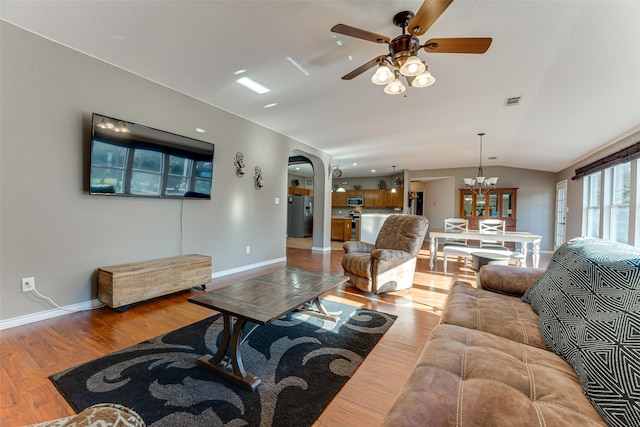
(354, 201)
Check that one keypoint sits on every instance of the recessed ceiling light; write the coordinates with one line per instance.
(273, 104)
(350, 58)
(200, 130)
(373, 170)
(355, 164)
(253, 85)
(239, 72)
(339, 42)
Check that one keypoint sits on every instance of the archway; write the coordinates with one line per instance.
(313, 169)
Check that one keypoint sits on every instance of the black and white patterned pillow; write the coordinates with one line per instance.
(588, 301)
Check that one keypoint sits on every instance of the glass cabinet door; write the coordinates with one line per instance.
(492, 207)
(467, 204)
(507, 204)
(481, 205)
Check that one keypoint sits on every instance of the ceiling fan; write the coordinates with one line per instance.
(402, 59)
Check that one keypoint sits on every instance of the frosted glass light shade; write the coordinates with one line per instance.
(382, 76)
(423, 80)
(412, 67)
(395, 87)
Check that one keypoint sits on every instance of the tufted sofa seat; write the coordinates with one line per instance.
(529, 347)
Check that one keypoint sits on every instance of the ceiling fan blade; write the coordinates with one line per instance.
(458, 45)
(348, 30)
(428, 13)
(361, 69)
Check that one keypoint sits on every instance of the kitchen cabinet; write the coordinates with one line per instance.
(341, 229)
(394, 200)
(300, 191)
(339, 199)
(374, 198)
(499, 203)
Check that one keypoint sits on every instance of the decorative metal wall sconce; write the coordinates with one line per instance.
(334, 172)
(238, 161)
(257, 178)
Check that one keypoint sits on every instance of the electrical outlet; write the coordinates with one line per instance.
(28, 284)
(248, 249)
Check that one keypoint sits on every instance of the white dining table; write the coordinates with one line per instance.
(522, 237)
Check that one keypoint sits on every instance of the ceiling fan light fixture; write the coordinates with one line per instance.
(383, 75)
(413, 66)
(424, 79)
(395, 87)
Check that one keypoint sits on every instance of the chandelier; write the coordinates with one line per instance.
(480, 185)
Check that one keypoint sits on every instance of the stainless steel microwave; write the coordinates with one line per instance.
(355, 201)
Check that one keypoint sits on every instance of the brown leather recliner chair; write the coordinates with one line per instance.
(388, 265)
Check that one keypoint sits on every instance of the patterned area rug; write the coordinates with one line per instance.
(302, 361)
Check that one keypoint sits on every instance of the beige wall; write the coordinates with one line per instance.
(51, 229)
(536, 196)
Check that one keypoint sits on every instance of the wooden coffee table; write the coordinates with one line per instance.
(260, 301)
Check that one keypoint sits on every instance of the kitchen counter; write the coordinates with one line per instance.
(344, 228)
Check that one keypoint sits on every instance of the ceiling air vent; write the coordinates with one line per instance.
(510, 102)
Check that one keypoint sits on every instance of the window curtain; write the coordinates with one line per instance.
(625, 155)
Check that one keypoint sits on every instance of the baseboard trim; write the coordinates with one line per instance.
(90, 305)
(49, 314)
(247, 267)
(316, 249)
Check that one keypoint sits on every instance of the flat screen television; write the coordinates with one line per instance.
(128, 159)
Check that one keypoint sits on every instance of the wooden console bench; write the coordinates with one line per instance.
(124, 284)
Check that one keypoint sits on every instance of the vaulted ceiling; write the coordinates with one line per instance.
(576, 65)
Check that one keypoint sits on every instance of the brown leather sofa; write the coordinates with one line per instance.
(490, 361)
(390, 264)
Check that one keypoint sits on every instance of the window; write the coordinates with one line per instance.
(591, 216)
(607, 208)
(618, 179)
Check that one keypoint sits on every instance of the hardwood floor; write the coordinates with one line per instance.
(30, 353)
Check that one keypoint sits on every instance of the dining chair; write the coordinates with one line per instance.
(452, 225)
(455, 247)
(496, 227)
(492, 227)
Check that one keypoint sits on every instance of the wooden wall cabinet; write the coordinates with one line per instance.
(394, 200)
(300, 191)
(499, 203)
(372, 198)
(339, 200)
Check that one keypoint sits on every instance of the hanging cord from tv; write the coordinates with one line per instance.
(181, 227)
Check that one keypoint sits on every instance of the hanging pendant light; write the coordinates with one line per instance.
(393, 189)
(480, 184)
